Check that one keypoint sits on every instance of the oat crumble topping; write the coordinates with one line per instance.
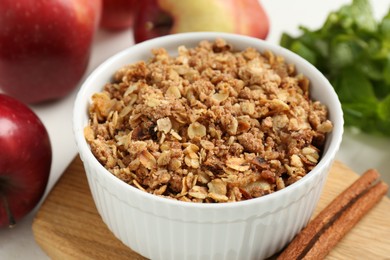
(209, 125)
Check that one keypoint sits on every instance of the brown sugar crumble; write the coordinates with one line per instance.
(210, 124)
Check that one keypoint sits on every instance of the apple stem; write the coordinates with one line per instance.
(11, 219)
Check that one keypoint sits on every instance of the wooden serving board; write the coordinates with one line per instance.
(68, 226)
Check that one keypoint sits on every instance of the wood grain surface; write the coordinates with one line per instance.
(68, 226)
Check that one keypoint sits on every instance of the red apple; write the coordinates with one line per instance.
(160, 17)
(45, 46)
(25, 160)
(118, 14)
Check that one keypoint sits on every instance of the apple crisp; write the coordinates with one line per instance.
(210, 124)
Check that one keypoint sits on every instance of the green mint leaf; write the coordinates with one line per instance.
(386, 70)
(355, 87)
(352, 50)
(303, 51)
(384, 109)
(358, 14)
(384, 27)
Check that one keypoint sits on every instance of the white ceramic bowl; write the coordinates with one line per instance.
(160, 228)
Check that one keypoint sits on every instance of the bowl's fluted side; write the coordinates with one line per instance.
(202, 232)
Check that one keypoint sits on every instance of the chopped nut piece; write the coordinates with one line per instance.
(131, 89)
(233, 126)
(147, 160)
(173, 91)
(248, 107)
(238, 164)
(325, 127)
(136, 184)
(311, 155)
(164, 125)
(89, 133)
(161, 190)
(174, 164)
(221, 96)
(191, 162)
(198, 192)
(152, 102)
(102, 104)
(296, 161)
(217, 190)
(218, 197)
(207, 144)
(196, 130)
(308, 150)
(164, 158)
(176, 135)
(311, 158)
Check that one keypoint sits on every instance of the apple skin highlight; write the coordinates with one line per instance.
(161, 17)
(118, 14)
(25, 160)
(45, 46)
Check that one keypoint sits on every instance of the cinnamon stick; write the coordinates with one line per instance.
(331, 221)
(347, 220)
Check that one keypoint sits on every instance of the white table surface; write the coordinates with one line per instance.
(358, 151)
